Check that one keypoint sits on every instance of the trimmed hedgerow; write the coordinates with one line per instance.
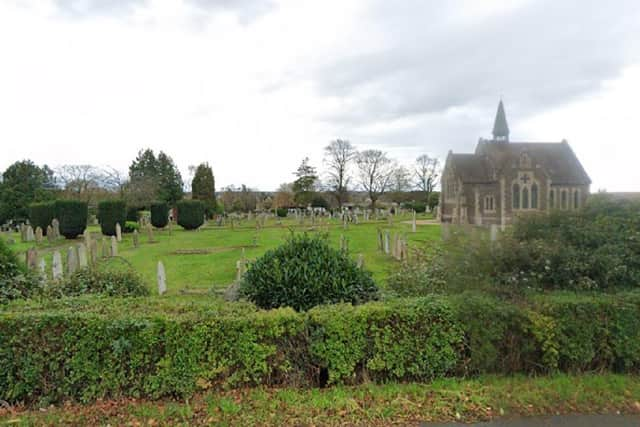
(72, 215)
(190, 214)
(41, 215)
(110, 213)
(304, 272)
(159, 214)
(89, 347)
(15, 280)
(102, 279)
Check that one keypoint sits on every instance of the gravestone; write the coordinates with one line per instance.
(380, 241)
(23, 233)
(56, 266)
(93, 252)
(386, 242)
(55, 224)
(32, 258)
(413, 223)
(39, 236)
(136, 241)
(494, 232)
(30, 237)
(72, 260)
(114, 246)
(105, 248)
(87, 238)
(360, 261)
(50, 236)
(42, 268)
(150, 233)
(162, 279)
(118, 232)
(82, 255)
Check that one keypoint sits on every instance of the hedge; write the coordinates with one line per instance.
(72, 215)
(110, 213)
(88, 348)
(41, 215)
(190, 214)
(159, 214)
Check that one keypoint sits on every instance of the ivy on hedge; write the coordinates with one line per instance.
(87, 348)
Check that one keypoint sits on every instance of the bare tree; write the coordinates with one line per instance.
(375, 172)
(400, 184)
(338, 155)
(427, 173)
(87, 182)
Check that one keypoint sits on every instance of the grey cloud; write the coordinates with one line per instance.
(86, 8)
(246, 10)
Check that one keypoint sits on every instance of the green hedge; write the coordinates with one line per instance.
(190, 214)
(72, 215)
(110, 213)
(159, 214)
(41, 215)
(87, 348)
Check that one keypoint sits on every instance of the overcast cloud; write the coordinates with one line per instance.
(254, 86)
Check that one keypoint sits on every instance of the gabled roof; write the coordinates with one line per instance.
(472, 168)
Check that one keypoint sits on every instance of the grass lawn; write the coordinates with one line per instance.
(219, 248)
(390, 404)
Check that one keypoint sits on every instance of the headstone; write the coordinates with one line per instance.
(93, 252)
(360, 261)
(42, 268)
(87, 238)
(55, 224)
(82, 255)
(30, 237)
(386, 242)
(23, 233)
(494, 232)
(56, 266)
(114, 246)
(32, 258)
(50, 236)
(136, 241)
(72, 260)
(105, 248)
(118, 232)
(380, 241)
(150, 233)
(162, 279)
(413, 223)
(39, 236)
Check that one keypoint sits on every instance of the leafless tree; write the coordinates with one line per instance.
(88, 182)
(400, 184)
(338, 156)
(375, 172)
(427, 174)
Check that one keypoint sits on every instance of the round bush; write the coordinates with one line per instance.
(41, 215)
(159, 214)
(110, 213)
(190, 214)
(130, 227)
(305, 272)
(282, 212)
(72, 215)
(132, 213)
(15, 280)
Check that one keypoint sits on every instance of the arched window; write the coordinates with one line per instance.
(534, 196)
(564, 199)
(576, 199)
(488, 203)
(552, 197)
(525, 198)
(516, 196)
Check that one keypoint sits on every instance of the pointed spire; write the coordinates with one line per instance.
(500, 127)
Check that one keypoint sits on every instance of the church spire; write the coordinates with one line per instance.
(500, 127)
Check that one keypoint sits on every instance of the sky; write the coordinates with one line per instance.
(254, 86)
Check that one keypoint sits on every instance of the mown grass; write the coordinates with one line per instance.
(222, 247)
(390, 404)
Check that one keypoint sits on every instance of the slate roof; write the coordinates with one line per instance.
(472, 168)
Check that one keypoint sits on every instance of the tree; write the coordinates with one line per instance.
(284, 196)
(375, 173)
(203, 187)
(427, 174)
(86, 182)
(24, 183)
(400, 184)
(338, 156)
(305, 185)
(170, 180)
(152, 178)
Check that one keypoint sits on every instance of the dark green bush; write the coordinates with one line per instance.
(15, 281)
(190, 214)
(282, 212)
(72, 215)
(110, 213)
(159, 214)
(305, 272)
(104, 279)
(133, 213)
(41, 215)
(130, 226)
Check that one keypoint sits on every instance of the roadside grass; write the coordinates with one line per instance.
(215, 250)
(468, 400)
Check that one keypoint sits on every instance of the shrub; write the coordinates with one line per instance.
(190, 214)
(159, 214)
(305, 272)
(110, 213)
(105, 280)
(422, 275)
(15, 281)
(130, 226)
(282, 212)
(133, 212)
(72, 215)
(41, 215)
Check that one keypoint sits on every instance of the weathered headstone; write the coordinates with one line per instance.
(413, 222)
(39, 236)
(56, 266)
(55, 224)
(162, 279)
(82, 255)
(136, 237)
(494, 232)
(93, 252)
(380, 241)
(32, 258)
(386, 242)
(118, 232)
(114, 246)
(105, 248)
(72, 260)
(360, 262)
(23, 233)
(42, 268)
(150, 233)
(30, 237)
(50, 236)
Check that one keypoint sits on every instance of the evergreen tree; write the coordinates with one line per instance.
(24, 183)
(203, 187)
(153, 178)
(305, 185)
